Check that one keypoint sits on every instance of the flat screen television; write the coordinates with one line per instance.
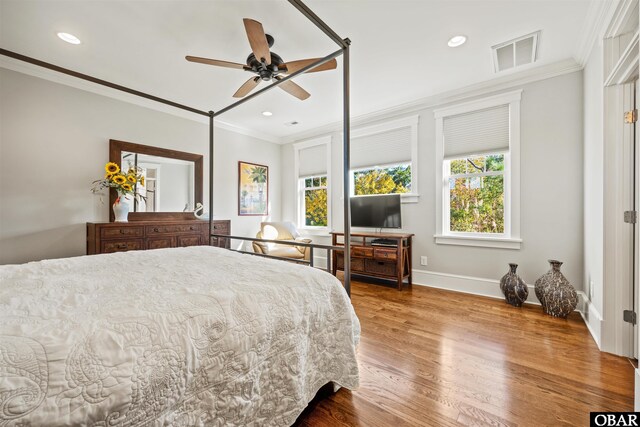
(377, 211)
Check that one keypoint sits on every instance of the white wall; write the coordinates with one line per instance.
(593, 188)
(54, 141)
(552, 201)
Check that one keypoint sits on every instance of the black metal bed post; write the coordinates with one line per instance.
(346, 166)
(211, 155)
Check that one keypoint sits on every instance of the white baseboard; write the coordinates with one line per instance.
(593, 320)
(466, 284)
(491, 288)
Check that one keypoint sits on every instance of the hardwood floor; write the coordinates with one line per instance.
(430, 357)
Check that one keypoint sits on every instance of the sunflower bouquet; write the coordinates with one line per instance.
(124, 182)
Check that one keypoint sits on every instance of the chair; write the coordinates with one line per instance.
(281, 231)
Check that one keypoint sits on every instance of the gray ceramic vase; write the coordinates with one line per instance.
(557, 296)
(513, 287)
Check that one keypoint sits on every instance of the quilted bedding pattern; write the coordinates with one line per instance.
(196, 336)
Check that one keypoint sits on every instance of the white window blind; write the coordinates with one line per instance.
(312, 161)
(382, 148)
(476, 132)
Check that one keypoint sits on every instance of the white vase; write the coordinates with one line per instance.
(121, 209)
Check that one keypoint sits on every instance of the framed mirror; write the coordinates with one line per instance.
(172, 181)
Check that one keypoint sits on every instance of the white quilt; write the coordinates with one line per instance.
(195, 336)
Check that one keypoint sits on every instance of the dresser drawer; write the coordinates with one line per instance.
(383, 253)
(121, 245)
(184, 241)
(221, 227)
(361, 251)
(154, 230)
(160, 243)
(118, 232)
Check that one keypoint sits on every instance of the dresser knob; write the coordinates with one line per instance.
(122, 246)
(121, 231)
(156, 229)
(192, 228)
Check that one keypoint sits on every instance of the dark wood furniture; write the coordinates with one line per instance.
(115, 155)
(109, 237)
(390, 261)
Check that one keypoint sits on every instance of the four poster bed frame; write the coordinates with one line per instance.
(342, 51)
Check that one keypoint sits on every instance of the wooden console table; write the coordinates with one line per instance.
(391, 260)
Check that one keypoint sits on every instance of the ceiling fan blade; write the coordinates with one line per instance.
(294, 66)
(247, 87)
(216, 62)
(293, 89)
(257, 40)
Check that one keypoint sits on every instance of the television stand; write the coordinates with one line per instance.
(378, 255)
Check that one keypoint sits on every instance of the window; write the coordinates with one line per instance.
(478, 158)
(315, 201)
(476, 194)
(382, 180)
(313, 183)
(384, 159)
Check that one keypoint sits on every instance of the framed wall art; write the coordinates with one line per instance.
(253, 189)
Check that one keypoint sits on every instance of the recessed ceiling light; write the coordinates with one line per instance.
(69, 38)
(456, 41)
(267, 113)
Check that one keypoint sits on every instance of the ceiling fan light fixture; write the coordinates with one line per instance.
(456, 41)
(69, 38)
(266, 65)
(267, 113)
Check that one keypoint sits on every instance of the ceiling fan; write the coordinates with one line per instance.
(265, 64)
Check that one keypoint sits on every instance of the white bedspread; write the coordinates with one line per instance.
(180, 337)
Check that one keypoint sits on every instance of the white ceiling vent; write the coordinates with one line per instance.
(514, 53)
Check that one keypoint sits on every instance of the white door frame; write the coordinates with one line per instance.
(621, 71)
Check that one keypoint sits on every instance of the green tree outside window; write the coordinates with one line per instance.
(476, 194)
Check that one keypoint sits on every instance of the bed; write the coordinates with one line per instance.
(181, 337)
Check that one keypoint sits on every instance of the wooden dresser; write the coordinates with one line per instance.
(380, 255)
(109, 237)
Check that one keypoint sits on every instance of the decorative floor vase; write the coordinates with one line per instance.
(513, 287)
(557, 296)
(121, 210)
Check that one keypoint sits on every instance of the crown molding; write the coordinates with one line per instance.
(500, 83)
(50, 75)
(620, 13)
(479, 89)
(248, 132)
(599, 15)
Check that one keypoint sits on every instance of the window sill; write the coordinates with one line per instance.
(409, 198)
(314, 231)
(483, 242)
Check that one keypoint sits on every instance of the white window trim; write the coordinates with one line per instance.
(511, 238)
(326, 140)
(410, 122)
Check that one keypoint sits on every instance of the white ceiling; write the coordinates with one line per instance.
(399, 48)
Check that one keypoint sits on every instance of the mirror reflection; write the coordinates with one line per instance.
(168, 184)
